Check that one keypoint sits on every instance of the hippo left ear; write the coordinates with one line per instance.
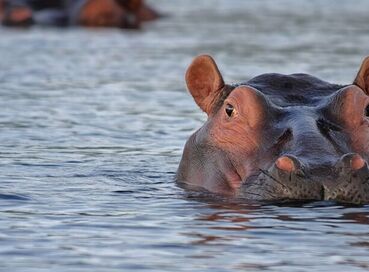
(204, 82)
(362, 78)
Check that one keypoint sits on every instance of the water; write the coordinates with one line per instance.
(92, 128)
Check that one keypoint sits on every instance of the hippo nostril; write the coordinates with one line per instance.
(285, 163)
(288, 163)
(351, 161)
(357, 162)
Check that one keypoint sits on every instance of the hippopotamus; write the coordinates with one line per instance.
(89, 13)
(278, 137)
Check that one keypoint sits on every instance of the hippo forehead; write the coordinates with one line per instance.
(292, 90)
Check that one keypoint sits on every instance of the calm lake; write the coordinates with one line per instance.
(93, 123)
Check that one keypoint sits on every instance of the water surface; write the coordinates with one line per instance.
(92, 128)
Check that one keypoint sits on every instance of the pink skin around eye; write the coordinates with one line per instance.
(239, 135)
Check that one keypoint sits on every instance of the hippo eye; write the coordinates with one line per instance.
(367, 111)
(229, 109)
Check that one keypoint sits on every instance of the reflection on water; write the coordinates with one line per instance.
(317, 236)
(92, 128)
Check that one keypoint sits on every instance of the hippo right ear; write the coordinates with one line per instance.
(362, 78)
(204, 82)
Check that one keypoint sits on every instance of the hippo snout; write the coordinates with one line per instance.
(352, 183)
(289, 179)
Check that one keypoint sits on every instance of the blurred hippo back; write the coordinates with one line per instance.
(88, 13)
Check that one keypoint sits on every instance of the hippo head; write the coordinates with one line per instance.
(279, 137)
(109, 13)
(15, 14)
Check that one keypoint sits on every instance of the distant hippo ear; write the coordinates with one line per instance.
(204, 81)
(362, 78)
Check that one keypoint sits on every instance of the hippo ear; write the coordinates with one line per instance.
(362, 78)
(204, 81)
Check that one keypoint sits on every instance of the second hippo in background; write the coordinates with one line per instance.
(111, 13)
(130, 14)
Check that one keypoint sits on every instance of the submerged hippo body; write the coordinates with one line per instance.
(279, 137)
(90, 13)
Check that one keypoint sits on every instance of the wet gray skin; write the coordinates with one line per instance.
(312, 146)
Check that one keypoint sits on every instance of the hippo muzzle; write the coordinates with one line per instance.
(288, 179)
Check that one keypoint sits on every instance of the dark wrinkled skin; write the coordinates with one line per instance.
(321, 128)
